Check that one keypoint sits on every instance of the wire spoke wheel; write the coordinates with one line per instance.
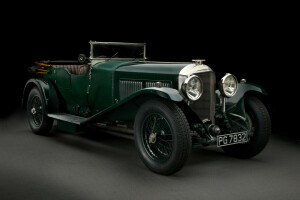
(157, 137)
(162, 136)
(36, 110)
(39, 122)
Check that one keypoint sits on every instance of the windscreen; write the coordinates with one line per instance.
(101, 50)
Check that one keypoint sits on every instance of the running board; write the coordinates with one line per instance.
(69, 118)
(117, 128)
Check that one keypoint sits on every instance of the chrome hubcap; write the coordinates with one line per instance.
(33, 110)
(152, 138)
(157, 137)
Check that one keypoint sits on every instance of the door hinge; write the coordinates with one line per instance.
(88, 89)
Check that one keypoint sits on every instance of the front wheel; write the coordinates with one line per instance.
(162, 136)
(260, 123)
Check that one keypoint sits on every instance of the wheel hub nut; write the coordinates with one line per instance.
(33, 111)
(152, 138)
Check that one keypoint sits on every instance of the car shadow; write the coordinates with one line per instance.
(120, 154)
(95, 142)
(120, 146)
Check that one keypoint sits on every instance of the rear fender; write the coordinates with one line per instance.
(47, 91)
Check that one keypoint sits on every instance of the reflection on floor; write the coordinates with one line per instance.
(96, 165)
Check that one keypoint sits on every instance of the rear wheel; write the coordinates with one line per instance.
(260, 123)
(162, 136)
(38, 121)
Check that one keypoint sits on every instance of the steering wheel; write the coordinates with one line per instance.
(82, 58)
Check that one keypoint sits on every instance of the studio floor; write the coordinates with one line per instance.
(97, 165)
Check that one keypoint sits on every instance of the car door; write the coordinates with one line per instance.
(73, 89)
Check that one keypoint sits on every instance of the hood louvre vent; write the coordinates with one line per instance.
(128, 87)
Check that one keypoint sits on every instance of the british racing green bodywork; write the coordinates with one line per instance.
(97, 91)
(104, 91)
(168, 107)
(90, 97)
(96, 96)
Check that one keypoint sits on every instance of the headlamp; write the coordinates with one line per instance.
(228, 85)
(192, 87)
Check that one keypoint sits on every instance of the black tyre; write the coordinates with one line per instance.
(162, 136)
(260, 123)
(38, 121)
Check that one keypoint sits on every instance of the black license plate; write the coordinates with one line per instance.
(232, 138)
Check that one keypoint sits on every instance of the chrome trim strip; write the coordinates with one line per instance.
(120, 43)
(145, 58)
(156, 61)
(153, 84)
(193, 69)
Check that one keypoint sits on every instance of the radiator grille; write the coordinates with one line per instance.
(205, 106)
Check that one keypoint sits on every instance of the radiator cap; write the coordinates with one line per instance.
(198, 61)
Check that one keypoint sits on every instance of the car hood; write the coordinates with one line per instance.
(152, 67)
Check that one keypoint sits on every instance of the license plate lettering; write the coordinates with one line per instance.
(235, 138)
(232, 138)
(240, 137)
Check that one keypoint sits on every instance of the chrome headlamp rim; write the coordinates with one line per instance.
(185, 83)
(222, 88)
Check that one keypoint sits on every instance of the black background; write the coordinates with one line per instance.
(256, 42)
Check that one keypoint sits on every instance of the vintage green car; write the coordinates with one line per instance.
(169, 107)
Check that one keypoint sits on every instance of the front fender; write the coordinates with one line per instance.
(167, 93)
(127, 107)
(47, 91)
(244, 88)
(235, 107)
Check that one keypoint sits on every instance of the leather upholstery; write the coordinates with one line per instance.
(74, 69)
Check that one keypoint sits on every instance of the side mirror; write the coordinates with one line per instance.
(82, 58)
